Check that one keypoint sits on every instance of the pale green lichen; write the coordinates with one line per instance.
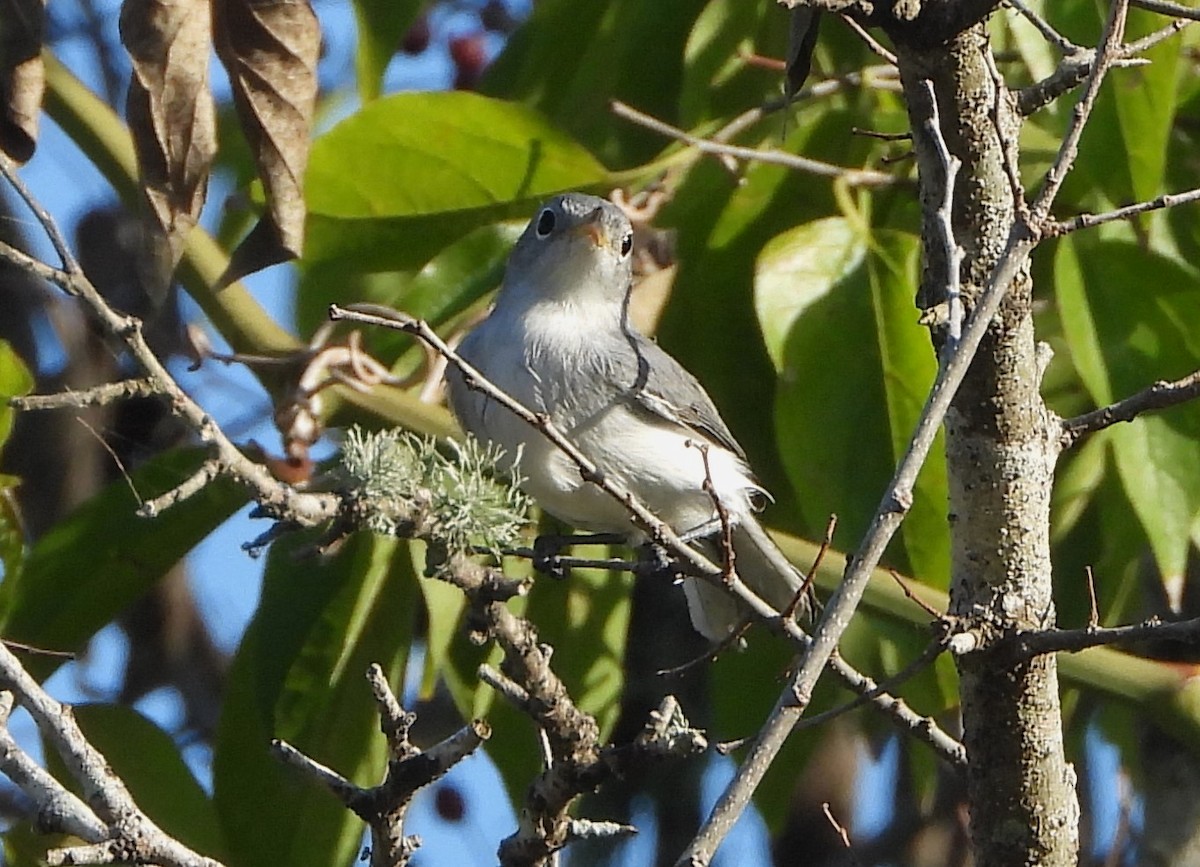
(463, 501)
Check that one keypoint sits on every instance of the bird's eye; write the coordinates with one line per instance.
(545, 223)
(626, 244)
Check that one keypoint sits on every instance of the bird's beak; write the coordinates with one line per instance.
(592, 228)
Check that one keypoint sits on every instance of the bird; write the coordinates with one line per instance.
(558, 339)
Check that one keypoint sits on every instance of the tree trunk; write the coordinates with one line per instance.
(1001, 452)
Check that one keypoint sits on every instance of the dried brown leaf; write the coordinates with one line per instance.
(172, 120)
(22, 79)
(270, 50)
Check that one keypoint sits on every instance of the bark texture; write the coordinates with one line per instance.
(1001, 455)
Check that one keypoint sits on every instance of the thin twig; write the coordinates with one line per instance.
(1107, 52)
(841, 831)
(192, 485)
(920, 728)
(869, 40)
(853, 177)
(1026, 645)
(99, 395)
(924, 606)
(944, 213)
(34, 650)
(116, 458)
(931, 652)
(1062, 43)
(111, 823)
(384, 807)
(806, 586)
(276, 498)
(728, 555)
(1093, 607)
(1163, 7)
(1160, 395)
(1056, 228)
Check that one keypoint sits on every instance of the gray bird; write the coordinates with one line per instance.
(559, 341)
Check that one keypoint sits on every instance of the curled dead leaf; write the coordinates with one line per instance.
(172, 120)
(270, 50)
(22, 27)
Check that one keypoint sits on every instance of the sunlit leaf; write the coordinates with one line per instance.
(442, 164)
(826, 301)
(15, 381)
(797, 269)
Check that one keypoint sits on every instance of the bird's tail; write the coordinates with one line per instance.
(761, 565)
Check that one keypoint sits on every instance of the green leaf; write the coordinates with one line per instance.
(1145, 97)
(299, 675)
(829, 302)
(570, 59)
(908, 370)
(381, 24)
(441, 164)
(718, 79)
(797, 269)
(1078, 324)
(149, 762)
(15, 381)
(445, 286)
(1121, 342)
(102, 557)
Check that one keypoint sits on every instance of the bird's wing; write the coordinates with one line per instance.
(661, 386)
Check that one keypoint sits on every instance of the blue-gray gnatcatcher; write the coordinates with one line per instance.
(559, 341)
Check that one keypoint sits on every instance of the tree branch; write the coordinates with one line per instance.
(277, 499)
(1160, 395)
(1175, 10)
(409, 769)
(1026, 645)
(853, 177)
(113, 825)
(1056, 228)
(692, 561)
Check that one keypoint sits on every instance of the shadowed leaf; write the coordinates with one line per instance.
(270, 51)
(299, 675)
(102, 557)
(172, 121)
